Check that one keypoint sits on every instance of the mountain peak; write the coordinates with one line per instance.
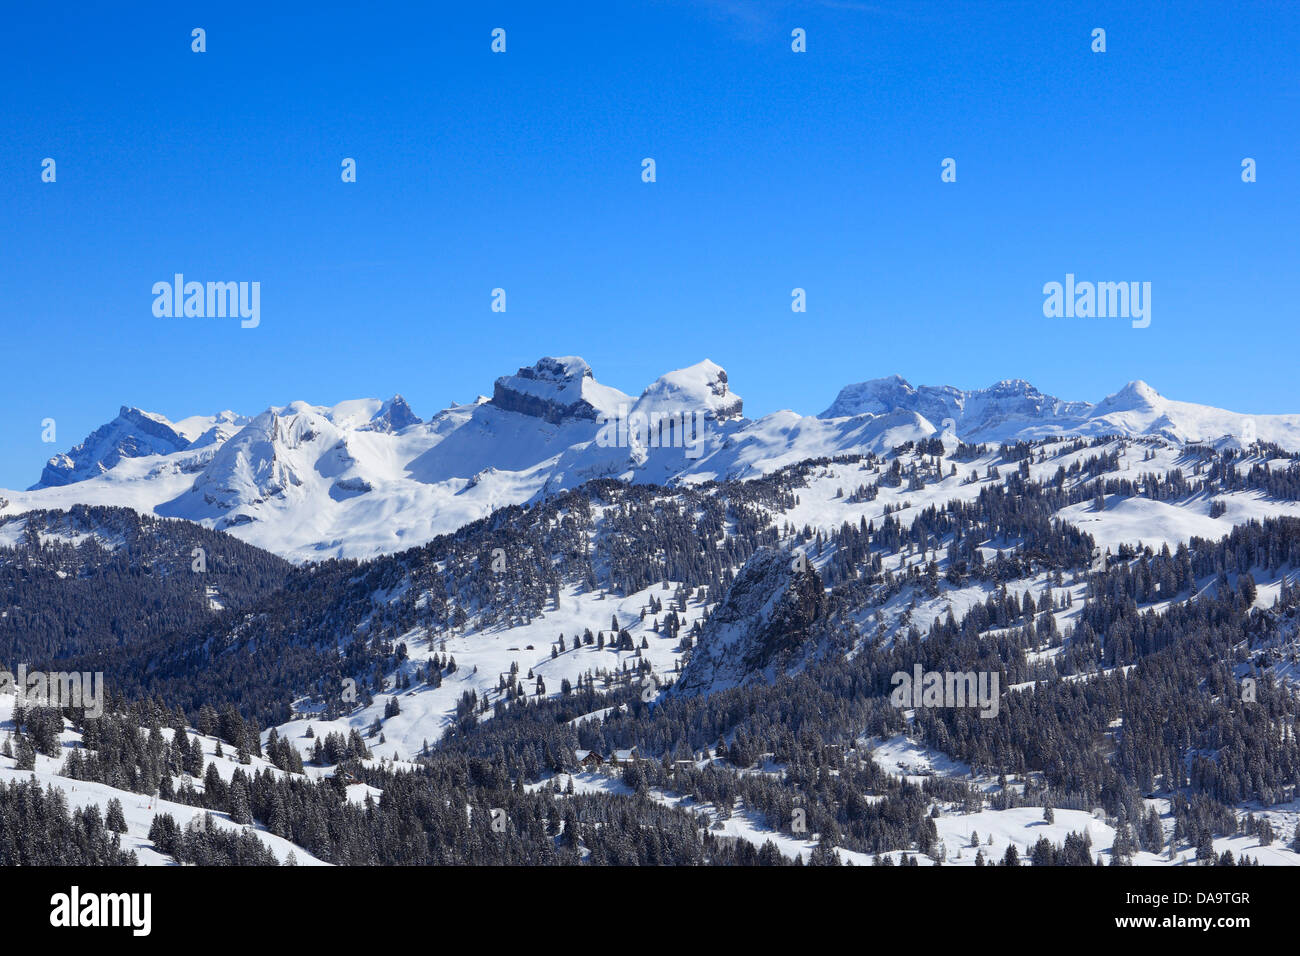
(699, 387)
(1137, 394)
(1141, 389)
(1013, 386)
(556, 390)
(134, 433)
(879, 396)
(393, 415)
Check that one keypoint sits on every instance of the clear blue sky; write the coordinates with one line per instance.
(522, 170)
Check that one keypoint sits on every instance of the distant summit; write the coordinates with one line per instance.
(133, 434)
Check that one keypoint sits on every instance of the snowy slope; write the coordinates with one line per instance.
(139, 809)
(483, 654)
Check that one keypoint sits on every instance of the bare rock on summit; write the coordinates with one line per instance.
(556, 390)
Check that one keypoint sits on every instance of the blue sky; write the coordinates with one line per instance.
(522, 170)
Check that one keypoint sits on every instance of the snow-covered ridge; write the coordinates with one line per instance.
(133, 434)
(1014, 409)
(367, 476)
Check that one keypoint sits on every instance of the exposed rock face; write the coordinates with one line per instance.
(133, 434)
(768, 613)
(555, 390)
(1008, 398)
(255, 465)
(393, 416)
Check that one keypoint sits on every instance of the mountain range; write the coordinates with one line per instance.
(368, 476)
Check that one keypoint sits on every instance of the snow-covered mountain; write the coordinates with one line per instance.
(369, 476)
(133, 434)
(1015, 409)
(557, 390)
(996, 412)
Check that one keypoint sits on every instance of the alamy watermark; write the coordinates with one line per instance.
(1102, 300)
(212, 300)
(75, 908)
(685, 430)
(947, 689)
(83, 691)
